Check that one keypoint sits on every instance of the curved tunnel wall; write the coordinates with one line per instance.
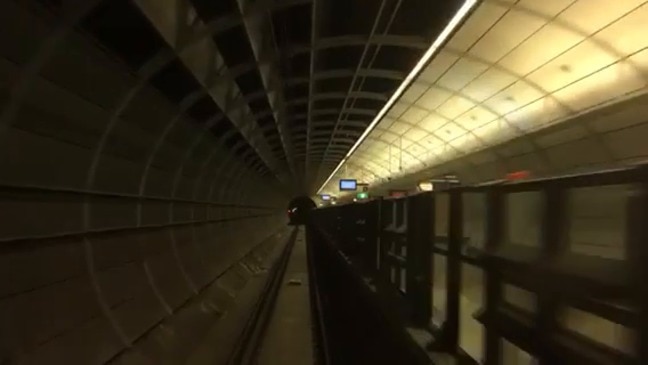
(117, 216)
(610, 137)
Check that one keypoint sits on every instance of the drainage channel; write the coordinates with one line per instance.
(252, 339)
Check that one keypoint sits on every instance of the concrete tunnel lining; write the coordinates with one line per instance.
(130, 248)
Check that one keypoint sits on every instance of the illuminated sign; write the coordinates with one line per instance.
(518, 175)
(425, 186)
(325, 197)
(363, 195)
(348, 185)
(445, 182)
(397, 193)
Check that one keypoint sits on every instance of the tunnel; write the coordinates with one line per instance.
(299, 209)
(170, 182)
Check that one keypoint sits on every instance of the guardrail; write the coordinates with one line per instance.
(413, 233)
(353, 328)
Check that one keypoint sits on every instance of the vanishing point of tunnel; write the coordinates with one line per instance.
(296, 182)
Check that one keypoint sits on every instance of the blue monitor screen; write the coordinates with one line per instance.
(348, 185)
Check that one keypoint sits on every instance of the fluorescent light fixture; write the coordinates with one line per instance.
(449, 28)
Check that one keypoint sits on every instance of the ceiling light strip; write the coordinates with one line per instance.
(459, 16)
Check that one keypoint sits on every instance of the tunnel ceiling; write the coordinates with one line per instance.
(288, 85)
(513, 69)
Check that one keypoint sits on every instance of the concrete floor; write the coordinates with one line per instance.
(288, 339)
(217, 345)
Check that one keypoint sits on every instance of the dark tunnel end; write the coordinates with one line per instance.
(299, 209)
